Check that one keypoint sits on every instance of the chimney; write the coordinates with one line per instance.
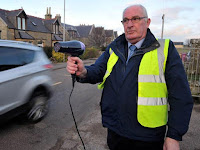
(58, 17)
(48, 15)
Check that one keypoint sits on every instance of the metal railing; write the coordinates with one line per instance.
(191, 62)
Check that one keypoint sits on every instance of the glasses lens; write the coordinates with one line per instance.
(125, 20)
(133, 20)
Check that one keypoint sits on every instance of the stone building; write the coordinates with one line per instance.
(85, 32)
(17, 25)
(178, 44)
(91, 35)
(110, 36)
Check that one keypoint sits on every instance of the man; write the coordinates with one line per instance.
(140, 76)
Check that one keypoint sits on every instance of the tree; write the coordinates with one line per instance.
(187, 42)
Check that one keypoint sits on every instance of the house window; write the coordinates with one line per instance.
(21, 22)
(56, 29)
(74, 34)
(40, 43)
(34, 23)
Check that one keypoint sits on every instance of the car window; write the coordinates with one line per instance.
(14, 57)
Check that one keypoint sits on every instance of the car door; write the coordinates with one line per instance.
(13, 63)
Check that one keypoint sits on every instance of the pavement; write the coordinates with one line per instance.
(90, 128)
(92, 133)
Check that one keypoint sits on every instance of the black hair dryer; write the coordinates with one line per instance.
(74, 48)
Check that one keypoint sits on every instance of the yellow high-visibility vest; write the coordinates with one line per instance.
(152, 90)
(110, 64)
(152, 110)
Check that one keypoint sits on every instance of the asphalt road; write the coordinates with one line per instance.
(57, 132)
(51, 132)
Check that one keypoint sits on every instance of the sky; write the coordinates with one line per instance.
(181, 21)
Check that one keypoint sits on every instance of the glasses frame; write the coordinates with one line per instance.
(133, 20)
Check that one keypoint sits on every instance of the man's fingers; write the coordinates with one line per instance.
(72, 69)
(71, 63)
(75, 65)
(74, 59)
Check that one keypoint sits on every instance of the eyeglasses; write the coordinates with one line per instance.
(133, 20)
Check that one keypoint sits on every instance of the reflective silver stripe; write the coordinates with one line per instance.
(110, 51)
(161, 56)
(151, 78)
(152, 101)
(107, 72)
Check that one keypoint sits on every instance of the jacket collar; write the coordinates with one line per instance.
(150, 42)
(119, 46)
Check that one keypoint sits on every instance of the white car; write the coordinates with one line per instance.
(25, 82)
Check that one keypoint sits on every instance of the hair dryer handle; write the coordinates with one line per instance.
(73, 76)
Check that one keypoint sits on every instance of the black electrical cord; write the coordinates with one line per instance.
(73, 83)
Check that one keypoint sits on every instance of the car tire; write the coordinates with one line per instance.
(38, 108)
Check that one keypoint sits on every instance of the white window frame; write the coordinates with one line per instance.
(21, 23)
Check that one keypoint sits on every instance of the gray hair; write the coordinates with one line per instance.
(138, 5)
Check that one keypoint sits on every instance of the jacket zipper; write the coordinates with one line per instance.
(124, 70)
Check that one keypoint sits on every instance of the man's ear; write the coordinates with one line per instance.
(148, 22)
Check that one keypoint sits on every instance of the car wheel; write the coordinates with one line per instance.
(38, 108)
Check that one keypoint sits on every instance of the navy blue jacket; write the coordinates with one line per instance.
(119, 97)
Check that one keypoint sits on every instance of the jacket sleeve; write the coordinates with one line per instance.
(95, 72)
(179, 95)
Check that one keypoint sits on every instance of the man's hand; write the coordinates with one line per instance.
(75, 65)
(171, 144)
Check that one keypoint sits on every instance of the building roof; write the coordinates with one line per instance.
(57, 38)
(69, 27)
(37, 24)
(24, 35)
(14, 12)
(4, 16)
(115, 33)
(84, 30)
(109, 33)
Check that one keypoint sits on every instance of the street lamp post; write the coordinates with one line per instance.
(64, 30)
(163, 18)
(64, 23)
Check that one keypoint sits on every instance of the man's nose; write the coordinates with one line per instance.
(130, 23)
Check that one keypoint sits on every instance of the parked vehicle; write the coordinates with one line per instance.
(25, 82)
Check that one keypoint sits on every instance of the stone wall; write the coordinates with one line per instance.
(3, 29)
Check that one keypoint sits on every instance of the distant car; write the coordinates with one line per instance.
(25, 81)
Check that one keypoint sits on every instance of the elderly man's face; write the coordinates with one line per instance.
(136, 29)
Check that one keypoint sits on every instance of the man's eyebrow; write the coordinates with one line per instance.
(131, 17)
(125, 18)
